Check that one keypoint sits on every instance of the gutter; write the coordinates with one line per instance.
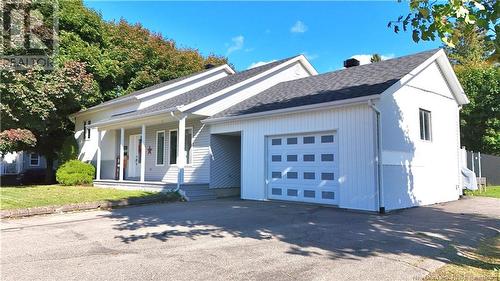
(134, 117)
(378, 158)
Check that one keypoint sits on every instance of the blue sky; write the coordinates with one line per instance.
(252, 32)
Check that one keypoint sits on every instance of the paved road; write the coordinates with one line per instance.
(241, 240)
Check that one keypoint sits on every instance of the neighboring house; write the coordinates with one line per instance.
(20, 162)
(381, 136)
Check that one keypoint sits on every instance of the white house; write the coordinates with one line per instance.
(381, 136)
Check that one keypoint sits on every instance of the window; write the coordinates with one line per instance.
(276, 175)
(326, 157)
(425, 125)
(309, 175)
(291, 141)
(292, 175)
(34, 159)
(276, 142)
(308, 158)
(188, 145)
(160, 148)
(327, 176)
(292, 192)
(309, 193)
(276, 158)
(291, 158)
(308, 140)
(173, 147)
(86, 130)
(327, 139)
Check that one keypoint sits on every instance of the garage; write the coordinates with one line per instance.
(302, 168)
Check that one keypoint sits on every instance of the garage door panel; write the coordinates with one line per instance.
(303, 168)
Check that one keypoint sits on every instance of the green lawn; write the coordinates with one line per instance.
(57, 195)
(482, 263)
(491, 191)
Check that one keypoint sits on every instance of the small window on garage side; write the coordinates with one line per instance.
(425, 125)
(34, 159)
(292, 175)
(276, 158)
(276, 141)
(291, 158)
(291, 141)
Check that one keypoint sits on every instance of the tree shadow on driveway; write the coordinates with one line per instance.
(314, 230)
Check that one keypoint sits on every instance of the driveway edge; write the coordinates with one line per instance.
(19, 213)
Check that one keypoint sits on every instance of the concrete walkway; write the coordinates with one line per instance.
(242, 240)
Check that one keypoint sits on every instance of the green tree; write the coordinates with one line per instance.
(430, 19)
(14, 140)
(41, 101)
(375, 58)
(472, 49)
(480, 120)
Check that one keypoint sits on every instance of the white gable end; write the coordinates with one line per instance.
(431, 79)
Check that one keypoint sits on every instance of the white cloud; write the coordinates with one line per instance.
(298, 27)
(237, 44)
(259, 63)
(365, 59)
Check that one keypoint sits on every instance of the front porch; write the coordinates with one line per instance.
(161, 152)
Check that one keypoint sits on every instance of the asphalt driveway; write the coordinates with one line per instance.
(242, 240)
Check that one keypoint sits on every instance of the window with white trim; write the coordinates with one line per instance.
(425, 125)
(34, 159)
(160, 148)
(86, 130)
(187, 146)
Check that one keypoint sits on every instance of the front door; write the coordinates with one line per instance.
(134, 161)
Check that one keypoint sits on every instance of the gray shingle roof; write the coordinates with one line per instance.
(358, 81)
(202, 91)
(147, 89)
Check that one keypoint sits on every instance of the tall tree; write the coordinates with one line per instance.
(41, 101)
(472, 49)
(480, 119)
(375, 58)
(430, 19)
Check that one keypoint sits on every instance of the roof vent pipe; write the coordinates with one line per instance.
(351, 62)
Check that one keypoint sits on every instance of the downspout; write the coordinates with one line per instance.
(378, 158)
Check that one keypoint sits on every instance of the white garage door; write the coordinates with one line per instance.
(303, 168)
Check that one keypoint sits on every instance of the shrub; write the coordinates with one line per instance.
(75, 172)
(69, 150)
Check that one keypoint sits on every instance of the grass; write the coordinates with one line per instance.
(491, 191)
(56, 195)
(482, 263)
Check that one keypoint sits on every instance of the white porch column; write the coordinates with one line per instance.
(143, 153)
(122, 151)
(181, 150)
(98, 166)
